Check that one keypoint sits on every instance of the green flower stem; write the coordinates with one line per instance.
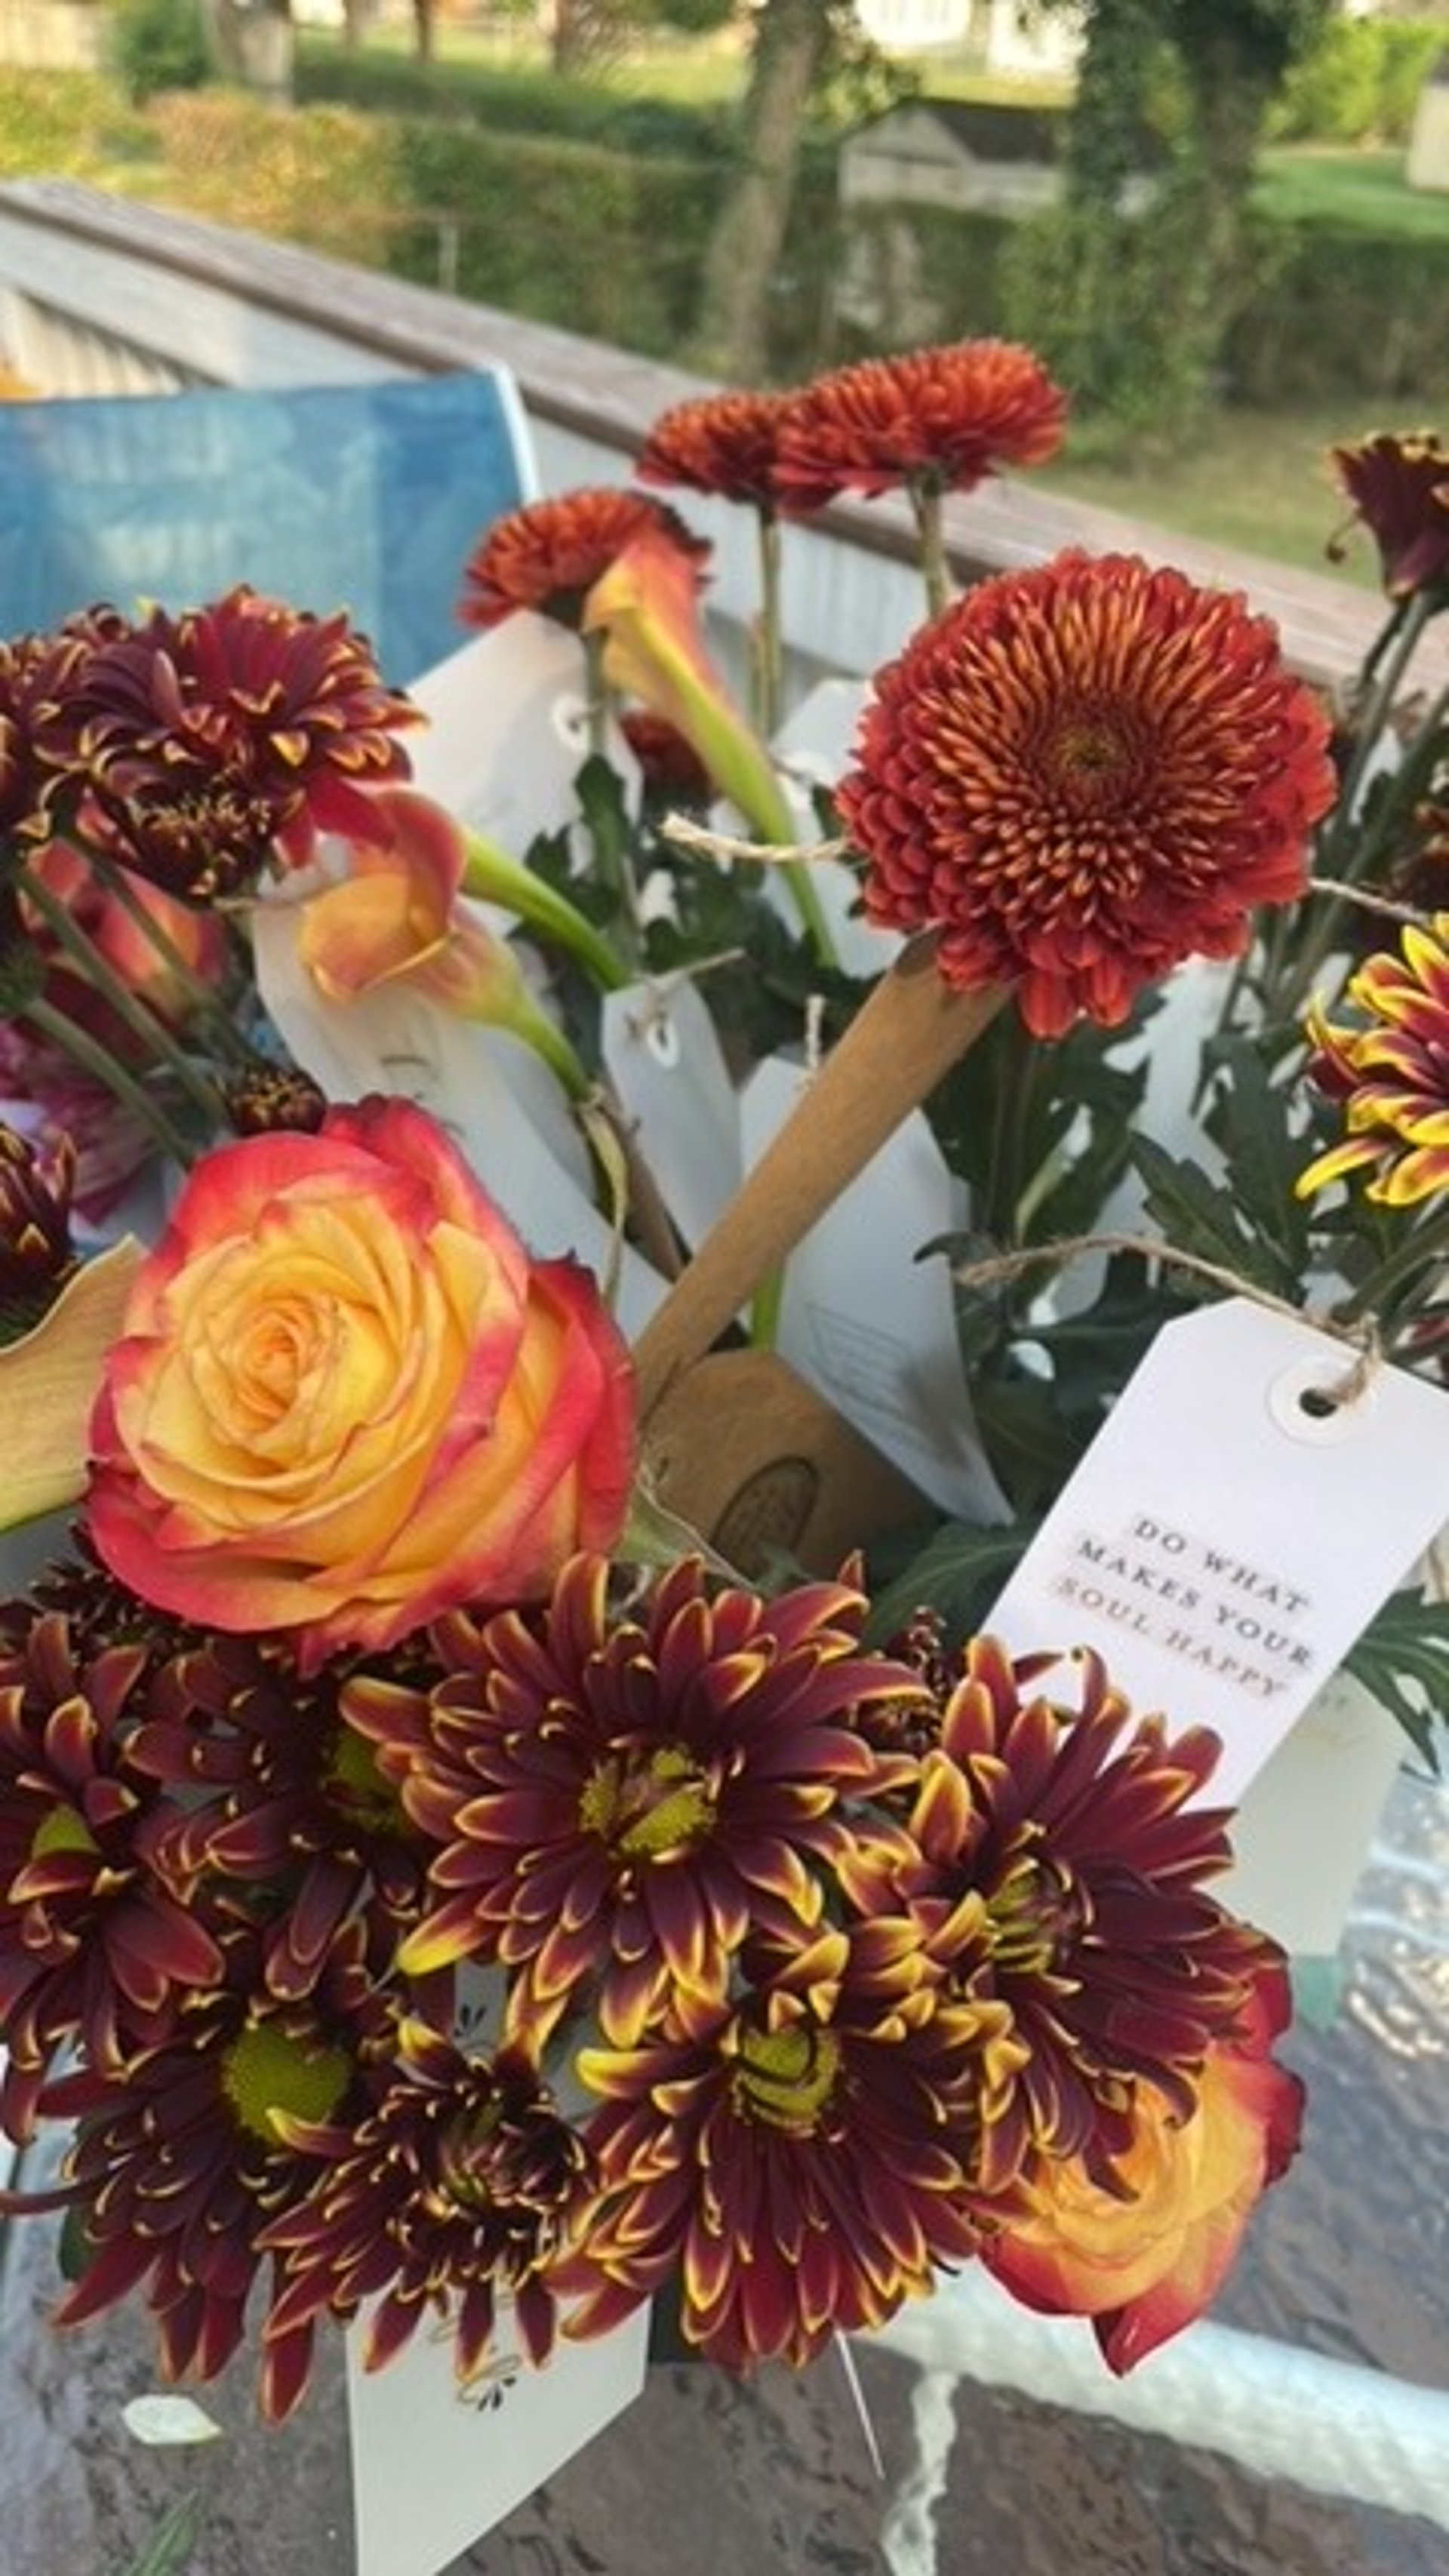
(1347, 851)
(805, 896)
(533, 1028)
(143, 1023)
(1428, 1243)
(769, 639)
(495, 878)
(596, 694)
(205, 1003)
(926, 498)
(95, 1059)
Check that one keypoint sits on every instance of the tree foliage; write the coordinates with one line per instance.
(1131, 306)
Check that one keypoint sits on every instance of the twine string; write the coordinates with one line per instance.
(686, 834)
(1361, 1336)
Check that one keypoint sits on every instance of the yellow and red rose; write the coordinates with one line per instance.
(1147, 2258)
(345, 1399)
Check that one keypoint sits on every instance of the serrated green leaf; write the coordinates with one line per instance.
(1197, 1215)
(958, 1574)
(1402, 1659)
(1249, 1120)
(1093, 1353)
(1031, 1444)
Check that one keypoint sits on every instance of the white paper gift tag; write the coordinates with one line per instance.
(436, 2465)
(865, 1323)
(499, 1104)
(1301, 1836)
(664, 1062)
(509, 732)
(1223, 1544)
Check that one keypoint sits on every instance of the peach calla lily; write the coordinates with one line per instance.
(646, 608)
(49, 1381)
(396, 914)
(397, 918)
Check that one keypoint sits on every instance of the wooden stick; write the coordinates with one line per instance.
(907, 1035)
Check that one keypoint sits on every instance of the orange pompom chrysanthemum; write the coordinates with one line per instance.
(1080, 775)
(941, 419)
(548, 555)
(723, 444)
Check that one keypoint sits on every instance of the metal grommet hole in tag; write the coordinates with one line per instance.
(569, 717)
(1306, 1402)
(661, 1037)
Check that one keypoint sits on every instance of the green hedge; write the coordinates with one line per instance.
(610, 244)
(319, 176)
(602, 242)
(1346, 314)
(1361, 82)
(513, 102)
(70, 124)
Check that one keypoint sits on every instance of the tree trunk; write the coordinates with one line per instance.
(791, 39)
(423, 15)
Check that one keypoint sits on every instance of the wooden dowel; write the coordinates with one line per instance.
(909, 1033)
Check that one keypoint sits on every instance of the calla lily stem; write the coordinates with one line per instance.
(493, 877)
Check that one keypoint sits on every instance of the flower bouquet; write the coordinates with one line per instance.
(534, 1783)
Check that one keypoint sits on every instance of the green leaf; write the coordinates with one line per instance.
(169, 2549)
(958, 1573)
(1094, 1352)
(1196, 1215)
(1402, 1658)
(1249, 1120)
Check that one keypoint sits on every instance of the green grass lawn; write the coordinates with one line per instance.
(1260, 480)
(1307, 183)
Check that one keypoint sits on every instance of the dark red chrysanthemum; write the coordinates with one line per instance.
(1082, 774)
(283, 1798)
(37, 1255)
(96, 1941)
(461, 2184)
(37, 674)
(1058, 1871)
(266, 1099)
(619, 1798)
(199, 742)
(802, 2158)
(179, 2165)
(1399, 488)
(548, 555)
(723, 444)
(932, 419)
